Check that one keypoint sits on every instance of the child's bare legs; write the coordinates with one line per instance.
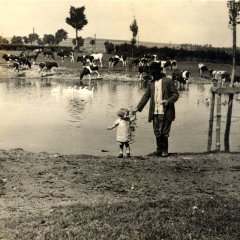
(121, 146)
(127, 145)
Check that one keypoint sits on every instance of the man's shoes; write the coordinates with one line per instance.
(164, 154)
(128, 155)
(155, 154)
(120, 155)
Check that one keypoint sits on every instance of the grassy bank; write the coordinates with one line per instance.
(184, 196)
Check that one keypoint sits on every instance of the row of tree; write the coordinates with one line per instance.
(206, 55)
(50, 39)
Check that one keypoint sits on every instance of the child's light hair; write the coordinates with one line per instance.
(123, 112)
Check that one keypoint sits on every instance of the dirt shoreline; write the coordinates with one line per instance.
(36, 187)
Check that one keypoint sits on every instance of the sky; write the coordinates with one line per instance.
(161, 21)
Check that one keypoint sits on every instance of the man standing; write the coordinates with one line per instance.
(162, 93)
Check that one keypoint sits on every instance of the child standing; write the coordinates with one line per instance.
(123, 131)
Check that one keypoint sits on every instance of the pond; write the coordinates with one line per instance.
(40, 117)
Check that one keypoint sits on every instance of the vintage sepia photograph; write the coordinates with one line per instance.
(119, 119)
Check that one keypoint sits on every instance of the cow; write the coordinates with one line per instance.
(220, 75)
(66, 53)
(10, 57)
(203, 69)
(87, 71)
(31, 54)
(97, 57)
(181, 78)
(47, 53)
(21, 61)
(173, 64)
(85, 59)
(47, 66)
(113, 61)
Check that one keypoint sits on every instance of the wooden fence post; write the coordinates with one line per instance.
(218, 127)
(210, 127)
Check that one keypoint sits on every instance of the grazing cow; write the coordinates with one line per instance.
(10, 57)
(202, 68)
(223, 76)
(181, 78)
(98, 58)
(31, 54)
(47, 66)
(136, 62)
(47, 53)
(87, 71)
(113, 61)
(173, 64)
(66, 53)
(85, 59)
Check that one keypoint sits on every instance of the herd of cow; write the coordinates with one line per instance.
(91, 64)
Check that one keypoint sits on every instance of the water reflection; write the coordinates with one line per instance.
(36, 118)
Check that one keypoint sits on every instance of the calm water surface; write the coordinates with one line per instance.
(37, 118)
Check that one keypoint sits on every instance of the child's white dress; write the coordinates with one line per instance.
(123, 130)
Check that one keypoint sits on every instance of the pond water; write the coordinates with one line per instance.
(40, 117)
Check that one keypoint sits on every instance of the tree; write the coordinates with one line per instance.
(40, 41)
(109, 47)
(92, 42)
(16, 40)
(60, 35)
(134, 30)
(233, 10)
(33, 37)
(3, 40)
(48, 39)
(25, 39)
(78, 43)
(77, 20)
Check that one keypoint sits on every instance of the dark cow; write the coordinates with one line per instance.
(181, 78)
(66, 53)
(16, 66)
(47, 66)
(47, 53)
(85, 59)
(87, 71)
(136, 62)
(202, 68)
(113, 61)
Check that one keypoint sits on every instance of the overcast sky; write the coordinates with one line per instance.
(163, 21)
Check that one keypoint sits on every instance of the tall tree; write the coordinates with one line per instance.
(60, 35)
(77, 20)
(134, 30)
